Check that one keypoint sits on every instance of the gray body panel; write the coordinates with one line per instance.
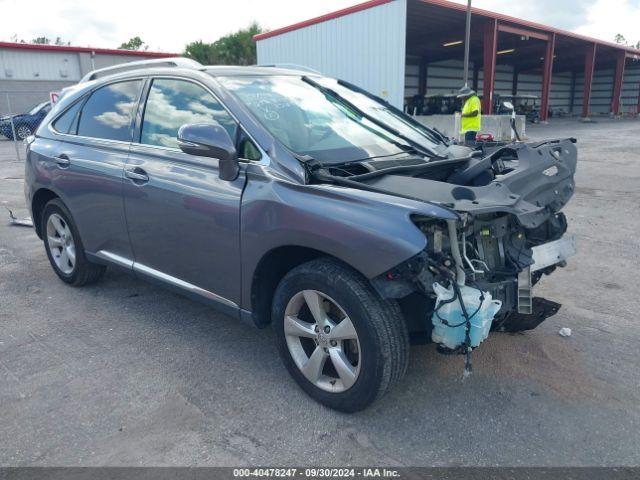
(542, 179)
(91, 186)
(372, 232)
(185, 221)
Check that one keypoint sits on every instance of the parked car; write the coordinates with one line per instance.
(25, 123)
(289, 199)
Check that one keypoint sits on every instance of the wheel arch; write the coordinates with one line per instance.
(271, 269)
(38, 202)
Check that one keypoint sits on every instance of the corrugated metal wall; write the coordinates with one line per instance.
(28, 76)
(602, 90)
(33, 65)
(366, 48)
(630, 88)
(446, 77)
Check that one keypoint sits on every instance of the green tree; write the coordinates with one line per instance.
(134, 43)
(234, 49)
(619, 38)
(41, 41)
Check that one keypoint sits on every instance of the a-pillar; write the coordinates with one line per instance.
(617, 83)
(546, 77)
(589, 66)
(490, 45)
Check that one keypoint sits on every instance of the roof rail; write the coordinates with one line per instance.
(291, 66)
(179, 62)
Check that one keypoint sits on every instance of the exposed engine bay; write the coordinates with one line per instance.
(477, 273)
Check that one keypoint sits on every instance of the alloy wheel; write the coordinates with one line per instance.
(322, 341)
(23, 132)
(61, 243)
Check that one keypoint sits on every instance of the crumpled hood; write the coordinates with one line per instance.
(540, 183)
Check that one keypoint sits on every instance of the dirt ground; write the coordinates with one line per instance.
(126, 373)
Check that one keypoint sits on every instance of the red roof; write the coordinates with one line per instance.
(448, 5)
(71, 49)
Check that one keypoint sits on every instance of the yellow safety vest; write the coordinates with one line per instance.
(471, 123)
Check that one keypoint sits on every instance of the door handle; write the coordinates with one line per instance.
(136, 174)
(62, 160)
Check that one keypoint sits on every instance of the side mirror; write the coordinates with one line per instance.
(211, 140)
(508, 105)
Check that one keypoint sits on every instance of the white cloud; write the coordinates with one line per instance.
(608, 17)
(164, 26)
(169, 27)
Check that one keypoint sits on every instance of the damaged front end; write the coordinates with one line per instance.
(477, 273)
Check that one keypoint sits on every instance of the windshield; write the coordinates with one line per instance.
(311, 122)
(384, 113)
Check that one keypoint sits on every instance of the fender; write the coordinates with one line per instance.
(372, 232)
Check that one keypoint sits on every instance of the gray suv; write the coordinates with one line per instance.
(286, 198)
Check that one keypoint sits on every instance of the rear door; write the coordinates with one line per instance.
(87, 161)
(183, 221)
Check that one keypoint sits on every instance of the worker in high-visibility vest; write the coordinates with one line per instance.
(471, 115)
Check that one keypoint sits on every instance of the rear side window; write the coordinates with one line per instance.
(108, 111)
(68, 121)
(173, 103)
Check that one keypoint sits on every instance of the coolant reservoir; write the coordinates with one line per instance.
(453, 336)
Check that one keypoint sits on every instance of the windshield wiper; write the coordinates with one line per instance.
(417, 147)
(433, 133)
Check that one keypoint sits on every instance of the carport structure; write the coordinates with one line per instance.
(433, 32)
(401, 48)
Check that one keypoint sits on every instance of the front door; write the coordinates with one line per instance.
(183, 221)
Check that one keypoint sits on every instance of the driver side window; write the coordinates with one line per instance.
(172, 103)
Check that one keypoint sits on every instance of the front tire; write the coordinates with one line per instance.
(343, 344)
(64, 247)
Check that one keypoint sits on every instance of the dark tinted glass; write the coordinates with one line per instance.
(173, 103)
(67, 123)
(108, 112)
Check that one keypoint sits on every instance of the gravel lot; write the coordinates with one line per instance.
(126, 373)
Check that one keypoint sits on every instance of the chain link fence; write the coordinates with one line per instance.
(20, 115)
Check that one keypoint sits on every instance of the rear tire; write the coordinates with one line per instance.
(357, 367)
(64, 246)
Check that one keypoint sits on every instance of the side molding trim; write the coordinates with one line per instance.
(163, 277)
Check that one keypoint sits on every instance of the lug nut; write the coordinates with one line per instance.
(317, 329)
(333, 343)
(327, 329)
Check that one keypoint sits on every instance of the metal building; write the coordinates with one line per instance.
(28, 72)
(401, 48)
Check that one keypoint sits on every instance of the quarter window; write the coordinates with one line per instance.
(173, 103)
(109, 110)
(68, 121)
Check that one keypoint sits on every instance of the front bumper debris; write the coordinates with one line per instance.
(553, 253)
